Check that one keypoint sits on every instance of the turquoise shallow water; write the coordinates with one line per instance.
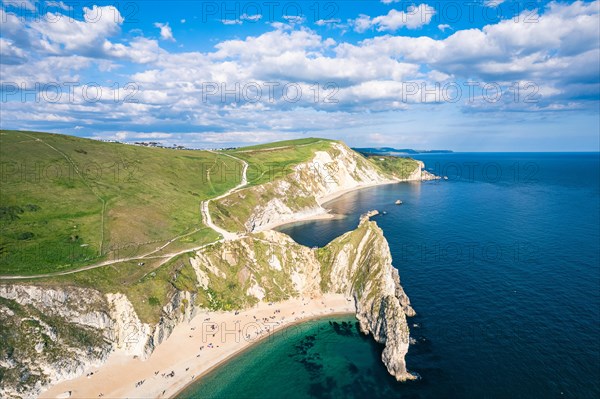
(320, 358)
(501, 262)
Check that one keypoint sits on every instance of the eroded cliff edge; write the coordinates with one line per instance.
(357, 264)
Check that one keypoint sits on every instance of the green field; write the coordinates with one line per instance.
(66, 202)
(268, 162)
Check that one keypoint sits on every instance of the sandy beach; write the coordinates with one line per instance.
(195, 348)
(325, 214)
(297, 219)
(330, 197)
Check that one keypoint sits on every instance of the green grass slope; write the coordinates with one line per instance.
(267, 162)
(66, 202)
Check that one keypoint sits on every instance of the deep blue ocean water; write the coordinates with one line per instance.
(501, 263)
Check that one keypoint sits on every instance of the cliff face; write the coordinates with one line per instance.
(305, 188)
(359, 263)
(49, 335)
(55, 334)
(270, 266)
(64, 331)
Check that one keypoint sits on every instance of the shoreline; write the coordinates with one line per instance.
(324, 213)
(195, 349)
(330, 197)
(273, 335)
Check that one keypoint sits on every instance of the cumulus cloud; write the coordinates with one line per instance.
(493, 3)
(560, 54)
(165, 31)
(413, 18)
(59, 4)
(56, 33)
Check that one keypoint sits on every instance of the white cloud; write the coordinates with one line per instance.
(231, 22)
(241, 19)
(390, 1)
(182, 21)
(443, 27)
(323, 22)
(251, 18)
(294, 19)
(414, 17)
(493, 3)
(59, 34)
(140, 50)
(559, 53)
(165, 31)
(29, 5)
(362, 23)
(11, 54)
(59, 4)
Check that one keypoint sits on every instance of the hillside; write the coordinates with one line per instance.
(68, 202)
(59, 329)
(300, 180)
(181, 232)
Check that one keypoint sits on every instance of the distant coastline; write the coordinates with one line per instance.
(396, 151)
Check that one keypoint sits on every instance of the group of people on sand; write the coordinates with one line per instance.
(267, 329)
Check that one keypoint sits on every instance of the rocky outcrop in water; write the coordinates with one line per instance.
(270, 266)
(361, 266)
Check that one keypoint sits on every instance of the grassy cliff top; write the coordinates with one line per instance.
(267, 162)
(282, 144)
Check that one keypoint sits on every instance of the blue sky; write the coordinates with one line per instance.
(463, 75)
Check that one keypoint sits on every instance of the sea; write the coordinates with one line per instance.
(501, 261)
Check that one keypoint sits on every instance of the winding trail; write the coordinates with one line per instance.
(166, 257)
(204, 205)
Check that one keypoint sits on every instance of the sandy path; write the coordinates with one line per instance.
(181, 353)
(204, 206)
